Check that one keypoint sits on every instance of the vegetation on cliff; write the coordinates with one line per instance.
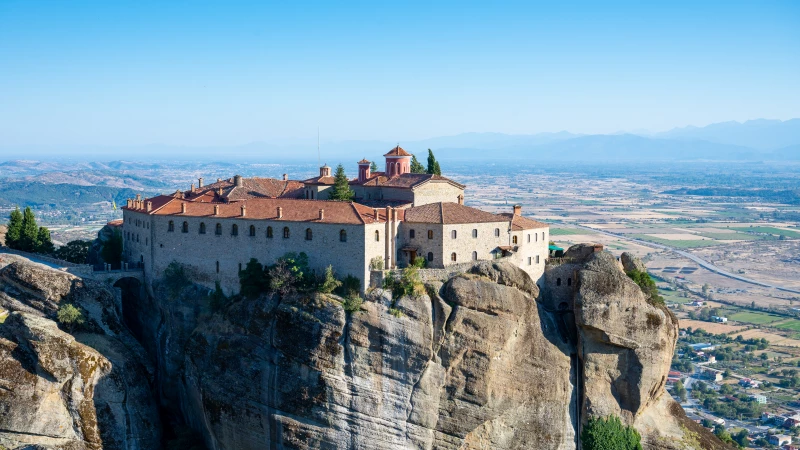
(76, 251)
(23, 233)
(648, 286)
(609, 434)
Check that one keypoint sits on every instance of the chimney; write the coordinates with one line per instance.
(280, 212)
(237, 180)
(219, 179)
(200, 182)
(285, 177)
(461, 199)
(138, 196)
(216, 210)
(129, 202)
(149, 206)
(377, 216)
(321, 214)
(192, 188)
(183, 208)
(517, 210)
(244, 210)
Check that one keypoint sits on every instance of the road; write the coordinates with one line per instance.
(701, 262)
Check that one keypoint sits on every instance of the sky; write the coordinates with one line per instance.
(195, 73)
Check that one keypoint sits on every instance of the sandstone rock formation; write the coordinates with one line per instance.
(89, 390)
(486, 360)
(631, 262)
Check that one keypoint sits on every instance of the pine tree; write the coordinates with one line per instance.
(433, 165)
(43, 242)
(341, 186)
(30, 231)
(373, 167)
(416, 166)
(14, 230)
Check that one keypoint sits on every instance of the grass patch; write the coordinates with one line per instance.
(791, 324)
(769, 230)
(730, 236)
(672, 297)
(754, 317)
(568, 231)
(676, 243)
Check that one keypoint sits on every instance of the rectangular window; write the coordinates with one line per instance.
(529, 260)
(430, 234)
(537, 259)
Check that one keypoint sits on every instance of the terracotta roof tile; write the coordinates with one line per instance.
(450, 213)
(293, 210)
(406, 180)
(251, 188)
(397, 151)
(364, 161)
(523, 223)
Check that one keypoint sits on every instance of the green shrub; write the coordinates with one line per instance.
(349, 285)
(217, 298)
(76, 251)
(609, 434)
(408, 284)
(328, 283)
(647, 285)
(396, 312)
(175, 278)
(252, 279)
(69, 316)
(352, 303)
(376, 263)
(420, 263)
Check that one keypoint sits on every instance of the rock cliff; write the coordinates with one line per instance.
(484, 360)
(86, 390)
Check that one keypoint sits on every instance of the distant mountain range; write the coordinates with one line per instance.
(753, 140)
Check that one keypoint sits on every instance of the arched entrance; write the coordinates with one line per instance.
(132, 293)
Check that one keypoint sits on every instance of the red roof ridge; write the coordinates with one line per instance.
(397, 151)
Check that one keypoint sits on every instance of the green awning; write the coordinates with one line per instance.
(554, 248)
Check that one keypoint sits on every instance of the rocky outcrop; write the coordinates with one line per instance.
(484, 360)
(631, 262)
(86, 390)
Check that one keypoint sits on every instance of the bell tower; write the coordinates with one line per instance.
(398, 162)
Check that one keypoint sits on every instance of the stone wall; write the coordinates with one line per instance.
(436, 191)
(210, 257)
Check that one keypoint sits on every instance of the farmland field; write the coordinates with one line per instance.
(770, 230)
(791, 324)
(711, 327)
(677, 243)
(568, 231)
(754, 317)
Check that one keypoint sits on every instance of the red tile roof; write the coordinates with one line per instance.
(251, 188)
(449, 213)
(406, 180)
(293, 210)
(397, 151)
(523, 223)
(364, 161)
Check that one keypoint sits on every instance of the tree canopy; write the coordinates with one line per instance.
(373, 167)
(25, 234)
(112, 248)
(433, 165)
(341, 186)
(609, 434)
(416, 166)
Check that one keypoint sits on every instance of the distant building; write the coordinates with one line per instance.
(762, 399)
(779, 439)
(706, 347)
(697, 303)
(749, 383)
(719, 319)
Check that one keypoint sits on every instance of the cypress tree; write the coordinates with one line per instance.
(43, 242)
(341, 186)
(14, 230)
(30, 231)
(373, 167)
(416, 166)
(433, 165)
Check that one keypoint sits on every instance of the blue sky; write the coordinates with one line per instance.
(224, 73)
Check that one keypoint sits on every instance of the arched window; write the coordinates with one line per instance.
(430, 256)
(453, 234)
(269, 232)
(252, 230)
(377, 236)
(234, 230)
(171, 226)
(453, 256)
(218, 230)
(514, 239)
(412, 234)
(475, 233)
(309, 234)
(342, 236)
(202, 228)
(497, 232)
(430, 234)
(474, 256)
(536, 237)
(286, 232)
(543, 235)
(217, 266)
(558, 281)
(185, 227)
